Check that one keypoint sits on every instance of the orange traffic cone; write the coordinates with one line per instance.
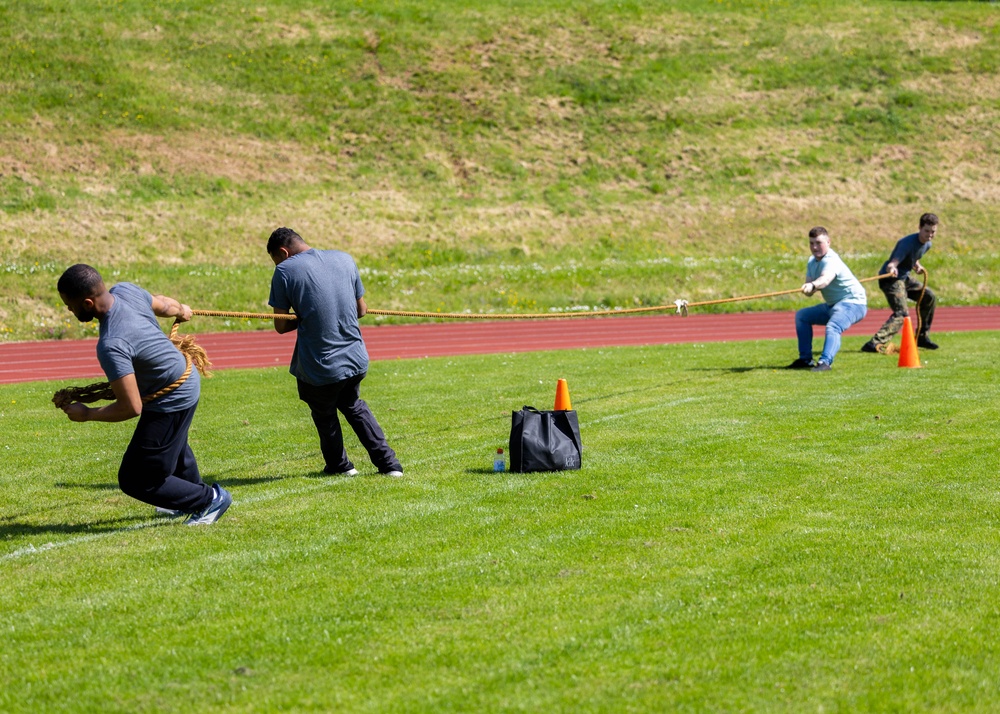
(562, 397)
(908, 356)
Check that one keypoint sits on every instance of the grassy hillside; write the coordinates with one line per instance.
(491, 155)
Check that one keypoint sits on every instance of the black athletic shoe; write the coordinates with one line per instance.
(869, 347)
(801, 364)
(821, 367)
(221, 501)
(925, 342)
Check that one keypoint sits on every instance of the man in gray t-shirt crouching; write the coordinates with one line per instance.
(147, 375)
(324, 289)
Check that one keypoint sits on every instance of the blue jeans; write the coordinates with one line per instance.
(837, 318)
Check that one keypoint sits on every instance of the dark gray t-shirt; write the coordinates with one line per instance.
(907, 251)
(322, 287)
(131, 341)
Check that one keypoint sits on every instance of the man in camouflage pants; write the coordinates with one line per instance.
(902, 286)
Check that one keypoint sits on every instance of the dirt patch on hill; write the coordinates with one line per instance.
(238, 158)
(935, 37)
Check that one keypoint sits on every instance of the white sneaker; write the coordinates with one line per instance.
(349, 472)
(169, 513)
(393, 474)
(220, 503)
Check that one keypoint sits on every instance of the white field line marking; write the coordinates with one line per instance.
(265, 497)
(643, 410)
(32, 549)
(86, 538)
(609, 417)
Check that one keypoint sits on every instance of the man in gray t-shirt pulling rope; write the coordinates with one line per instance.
(324, 289)
(158, 467)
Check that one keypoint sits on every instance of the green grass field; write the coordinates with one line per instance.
(740, 538)
(492, 156)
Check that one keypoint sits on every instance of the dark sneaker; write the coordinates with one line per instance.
(220, 503)
(821, 367)
(801, 364)
(869, 347)
(925, 342)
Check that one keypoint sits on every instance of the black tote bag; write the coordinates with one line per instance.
(544, 440)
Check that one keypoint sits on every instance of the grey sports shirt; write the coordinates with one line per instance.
(322, 287)
(131, 341)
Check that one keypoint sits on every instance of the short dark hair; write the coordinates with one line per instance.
(928, 219)
(80, 281)
(282, 238)
(818, 231)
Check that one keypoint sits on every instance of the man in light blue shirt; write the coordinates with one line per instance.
(844, 303)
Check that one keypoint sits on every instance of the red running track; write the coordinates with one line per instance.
(75, 359)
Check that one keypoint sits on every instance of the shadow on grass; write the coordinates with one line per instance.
(87, 486)
(227, 482)
(324, 474)
(362, 473)
(741, 370)
(16, 530)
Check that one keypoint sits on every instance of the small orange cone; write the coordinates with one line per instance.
(562, 397)
(908, 356)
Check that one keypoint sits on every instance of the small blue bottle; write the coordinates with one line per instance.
(498, 461)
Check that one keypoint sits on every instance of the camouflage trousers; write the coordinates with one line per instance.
(896, 293)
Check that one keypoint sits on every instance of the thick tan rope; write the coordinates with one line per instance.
(679, 305)
(171, 387)
(194, 355)
(197, 357)
(242, 315)
(192, 352)
(923, 289)
(85, 395)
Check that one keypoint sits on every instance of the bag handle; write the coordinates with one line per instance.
(572, 434)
